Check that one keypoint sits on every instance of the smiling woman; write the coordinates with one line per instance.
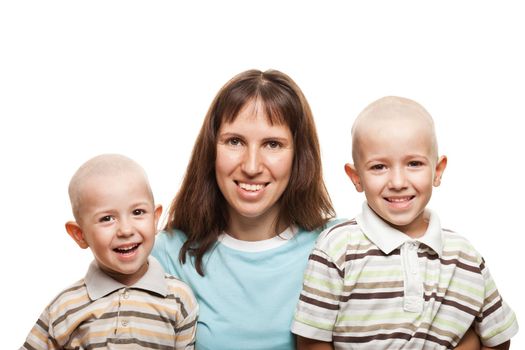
(253, 167)
(248, 212)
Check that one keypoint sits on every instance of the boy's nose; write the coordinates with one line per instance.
(251, 164)
(125, 228)
(397, 179)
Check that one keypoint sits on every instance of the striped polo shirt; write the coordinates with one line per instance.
(370, 286)
(97, 312)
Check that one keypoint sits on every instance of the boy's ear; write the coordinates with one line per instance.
(157, 214)
(440, 168)
(74, 230)
(351, 171)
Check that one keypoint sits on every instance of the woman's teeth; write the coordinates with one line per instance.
(250, 187)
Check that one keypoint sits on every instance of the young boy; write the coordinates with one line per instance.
(393, 278)
(125, 300)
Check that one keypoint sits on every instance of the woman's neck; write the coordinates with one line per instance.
(258, 228)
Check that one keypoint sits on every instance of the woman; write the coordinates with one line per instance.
(247, 213)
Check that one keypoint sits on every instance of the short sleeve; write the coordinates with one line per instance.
(318, 304)
(40, 337)
(186, 329)
(496, 323)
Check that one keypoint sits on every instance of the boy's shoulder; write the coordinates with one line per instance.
(178, 288)
(336, 237)
(74, 294)
(457, 246)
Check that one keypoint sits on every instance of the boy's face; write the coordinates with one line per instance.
(118, 221)
(396, 167)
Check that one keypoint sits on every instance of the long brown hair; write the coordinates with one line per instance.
(200, 210)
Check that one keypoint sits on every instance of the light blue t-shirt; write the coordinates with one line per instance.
(248, 294)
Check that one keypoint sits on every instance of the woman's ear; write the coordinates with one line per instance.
(74, 230)
(352, 173)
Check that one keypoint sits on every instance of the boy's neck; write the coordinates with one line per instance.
(127, 279)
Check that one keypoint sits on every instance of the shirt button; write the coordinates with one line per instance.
(125, 295)
(124, 323)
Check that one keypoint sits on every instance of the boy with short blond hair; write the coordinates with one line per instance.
(392, 278)
(125, 300)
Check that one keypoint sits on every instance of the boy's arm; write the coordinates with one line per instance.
(312, 344)
(470, 341)
(503, 346)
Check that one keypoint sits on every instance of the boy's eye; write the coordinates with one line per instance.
(377, 167)
(139, 212)
(106, 218)
(415, 163)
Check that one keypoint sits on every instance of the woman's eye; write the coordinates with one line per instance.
(139, 212)
(273, 144)
(234, 142)
(106, 218)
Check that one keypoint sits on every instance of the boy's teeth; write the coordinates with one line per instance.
(404, 199)
(250, 187)
(126, 249)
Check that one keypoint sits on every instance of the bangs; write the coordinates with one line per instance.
(279, 108)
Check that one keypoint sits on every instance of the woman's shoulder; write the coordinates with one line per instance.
(169, 240)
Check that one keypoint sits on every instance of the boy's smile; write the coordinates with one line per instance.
(397, 167)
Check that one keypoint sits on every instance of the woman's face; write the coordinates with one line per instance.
(253, 164)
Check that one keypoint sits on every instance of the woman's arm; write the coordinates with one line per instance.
(312, 344)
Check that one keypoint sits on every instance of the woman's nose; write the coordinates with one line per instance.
(252, 162)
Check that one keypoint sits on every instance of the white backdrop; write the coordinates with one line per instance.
(82, 78)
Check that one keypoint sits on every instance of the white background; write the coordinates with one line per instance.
(82, 78)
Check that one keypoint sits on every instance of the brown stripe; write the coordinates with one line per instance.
(42, 325)
(320, 293)
(395, 335)
(327, 263)
(129, 341)
(183, 310)
(371, 252)
(28, 346)
(318, 303)
(342, 224)
(460, 307)
(69, 312)
(461, 265)
(450, 294)
(380, 295)
(71, 289)
(430, 255)
(183, 328)
(493, 308)
(153, 317)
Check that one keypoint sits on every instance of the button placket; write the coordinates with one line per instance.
(413, 298)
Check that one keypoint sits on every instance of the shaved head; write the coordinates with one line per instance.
(389, 114)
(102, 166)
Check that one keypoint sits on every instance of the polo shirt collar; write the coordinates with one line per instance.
(387, 238)
(99, 284)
